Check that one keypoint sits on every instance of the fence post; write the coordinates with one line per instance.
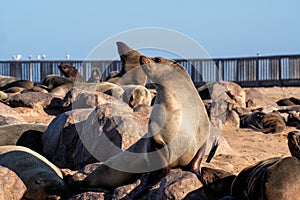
(257, 71)
(16, 69)
(279, 71)
(217, 70)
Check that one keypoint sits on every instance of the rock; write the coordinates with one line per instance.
(61, 139)
(176, 185)
(3, 96)
(232, 119)
(11, 186)
(9, 116)
(30, 100)
(242, 111)
(255, 98)
(8, 120)
(90, 196)
(10, 134)
(106, 130)
(79, 99)
(217, 185)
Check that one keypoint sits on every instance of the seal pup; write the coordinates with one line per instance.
(274, 178)
(71, 72)
(177, 132)
(42, 179)
(135, 95)
(131, 72)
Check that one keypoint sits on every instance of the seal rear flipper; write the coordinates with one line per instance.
(148, 180)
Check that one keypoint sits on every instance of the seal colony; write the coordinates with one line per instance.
(177, 133)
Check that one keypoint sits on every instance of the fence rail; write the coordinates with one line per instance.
(283, 70)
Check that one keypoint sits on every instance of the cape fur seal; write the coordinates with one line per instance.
(266, 122)
(52, 81)
(294, 143)
(131, 72)
(42, 179)
(71, 72)
(177, 132)
(135, 95)
(274, 178)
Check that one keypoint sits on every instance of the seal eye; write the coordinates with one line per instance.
(157, 60)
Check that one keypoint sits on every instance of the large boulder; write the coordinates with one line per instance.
(83, 136)
(79, 99)
(9, 116)
(255, 98)
(176, 185)
(11, 186)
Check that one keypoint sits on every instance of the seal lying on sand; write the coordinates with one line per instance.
(131, 72)
(71, 72)
(177, 132)
(266, 122)
(274, 178)
(42, 179)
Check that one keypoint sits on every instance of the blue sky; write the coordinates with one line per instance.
(224, 28)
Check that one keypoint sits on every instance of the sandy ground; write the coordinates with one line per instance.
(246, 146)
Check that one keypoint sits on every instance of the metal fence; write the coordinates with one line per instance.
(281, 70)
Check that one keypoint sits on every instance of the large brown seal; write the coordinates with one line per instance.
(131, 72)
(177, 132)
(274, 178)
(42, 179)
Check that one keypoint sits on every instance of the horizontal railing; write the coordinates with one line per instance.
(283, 70)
